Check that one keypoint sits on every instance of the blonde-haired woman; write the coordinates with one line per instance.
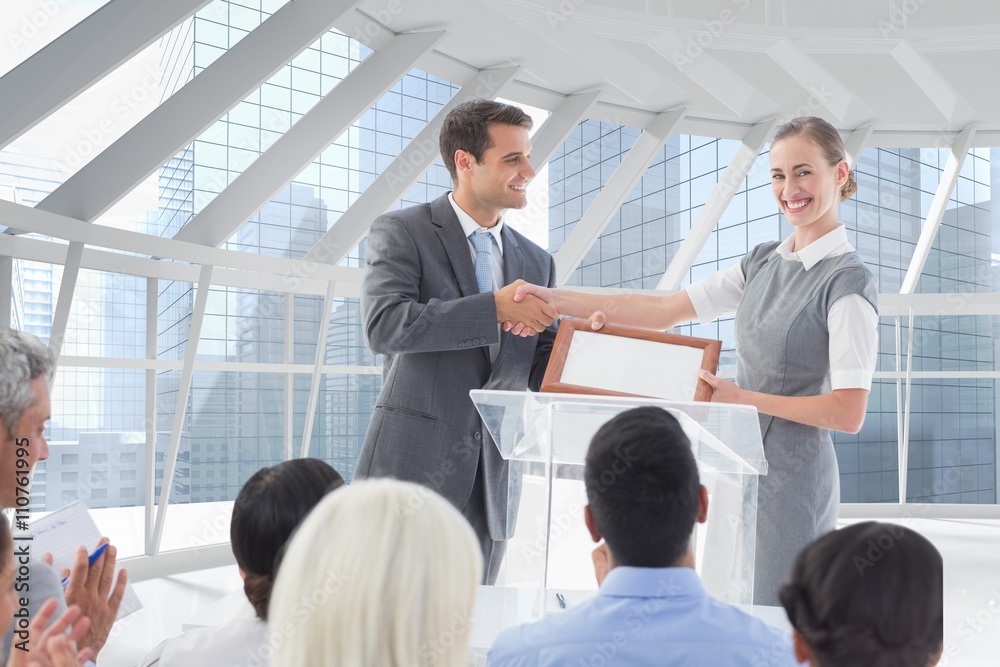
(806, 340)
(382, 573)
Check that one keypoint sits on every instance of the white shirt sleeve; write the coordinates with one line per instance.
(719, 294)
(853, 325)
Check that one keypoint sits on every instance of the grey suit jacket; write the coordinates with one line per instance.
(422, 309)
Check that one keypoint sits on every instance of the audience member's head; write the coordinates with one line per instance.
(869, 595)
(643, 489)
(25, 369)
(382, 572)
(271, 504)
(8, 597)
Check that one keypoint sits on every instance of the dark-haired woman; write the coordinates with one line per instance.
(849, 608)
(271, 504)
(806, 341)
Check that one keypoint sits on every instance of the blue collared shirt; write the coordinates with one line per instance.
(646, 616)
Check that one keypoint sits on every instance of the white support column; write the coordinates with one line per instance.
(856, 144)
(746, 154)
(610, 198)
(180, 411)
(6, 287)
(83, 55)
(560, 123)
(402, 172)
(289, 376)
(152, 296)
(305, 140)
(324, 328)
(936, 213)
(193, 109)
(71, 270)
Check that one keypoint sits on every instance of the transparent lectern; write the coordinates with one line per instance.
(545, 438)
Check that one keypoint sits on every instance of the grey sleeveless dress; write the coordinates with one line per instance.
(782, 346)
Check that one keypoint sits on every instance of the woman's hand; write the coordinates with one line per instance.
(724, 391)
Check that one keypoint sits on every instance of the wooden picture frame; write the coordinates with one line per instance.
(618, 360)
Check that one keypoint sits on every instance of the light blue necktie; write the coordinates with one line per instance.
(483, 241)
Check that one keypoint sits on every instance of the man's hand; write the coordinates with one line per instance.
(531, 312)
(42, 651)
(602, 562)
(89, 588)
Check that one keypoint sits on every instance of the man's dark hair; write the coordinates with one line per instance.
(643, 487)
(269, 507)
(466, 127)
(868, 595)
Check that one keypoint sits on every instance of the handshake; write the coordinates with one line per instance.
(525, 309)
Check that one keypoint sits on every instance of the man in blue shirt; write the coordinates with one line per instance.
(644, 497)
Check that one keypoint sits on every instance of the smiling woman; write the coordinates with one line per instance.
(806, 318)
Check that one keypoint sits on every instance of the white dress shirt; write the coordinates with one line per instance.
(852, 321)
(469, 225)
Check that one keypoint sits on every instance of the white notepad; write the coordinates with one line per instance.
(62, 532)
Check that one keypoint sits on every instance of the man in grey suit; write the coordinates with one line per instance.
(438, 288)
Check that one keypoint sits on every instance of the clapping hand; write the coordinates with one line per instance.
(53, 646)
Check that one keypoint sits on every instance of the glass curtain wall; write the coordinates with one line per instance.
(952, 450)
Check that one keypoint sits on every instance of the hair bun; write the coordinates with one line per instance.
(850, 187)
(258, 590)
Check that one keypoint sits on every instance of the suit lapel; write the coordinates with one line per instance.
(453, 239)
(449, 230)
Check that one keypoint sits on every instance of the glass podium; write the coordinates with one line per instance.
(545, 437)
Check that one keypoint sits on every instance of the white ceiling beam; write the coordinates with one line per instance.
(182, 117)
(83, 55)
(705, 71)
(929, 231)
(732, 178)
(934, 86)
(559, 125)
(402, 172)
(856, 143)
(306, 139)
(824, 89)
(51, 252)
(611, 196)
(637, 80)
(180, 409)
(61, 227)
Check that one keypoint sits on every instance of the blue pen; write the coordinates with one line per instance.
(90, 561)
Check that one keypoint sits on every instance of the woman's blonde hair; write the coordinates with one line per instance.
(827, 138)
(381, 573)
